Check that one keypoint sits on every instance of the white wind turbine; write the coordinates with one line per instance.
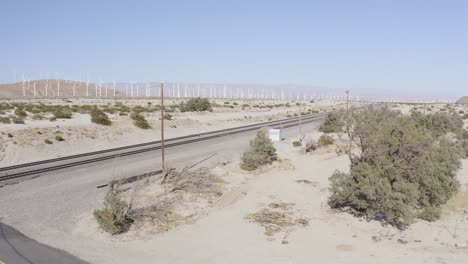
(24, 89)
(74, 89)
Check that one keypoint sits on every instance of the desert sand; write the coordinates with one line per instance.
(222, 233)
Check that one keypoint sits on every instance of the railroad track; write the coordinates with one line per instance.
(38, 167)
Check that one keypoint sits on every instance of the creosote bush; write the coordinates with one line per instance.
(113, 217)
(325, 140)
(195, 105)
(59, 138)
(297, 143)
(167, 116)
(261, 152)
(333, 123)
(406, 167)
(62, 113)
(99, 117)
(5, 120)
(47, 141)
(139, 121)
(18, 120)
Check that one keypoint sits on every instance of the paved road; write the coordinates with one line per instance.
(51, 207)
(15, 248)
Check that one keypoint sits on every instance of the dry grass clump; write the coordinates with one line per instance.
(277, 217)
(310, 145)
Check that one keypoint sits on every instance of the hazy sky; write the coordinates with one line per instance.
(405, 46)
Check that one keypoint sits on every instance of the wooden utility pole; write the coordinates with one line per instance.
(162, 127)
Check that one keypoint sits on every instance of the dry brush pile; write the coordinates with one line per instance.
(276, 218)
(163, 204)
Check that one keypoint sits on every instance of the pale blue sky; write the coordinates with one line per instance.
(405, 46)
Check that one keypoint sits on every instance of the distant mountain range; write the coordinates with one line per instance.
(68, 88)
(53, 88)
(463, 100)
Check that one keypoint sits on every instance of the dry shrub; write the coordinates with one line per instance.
(261, 152)
(200, 181)
(99, 117)
(310, 145)
(325, 140)
(139, 120)
(113, 217)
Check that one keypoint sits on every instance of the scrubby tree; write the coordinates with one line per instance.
(261, 152)
(406, 167)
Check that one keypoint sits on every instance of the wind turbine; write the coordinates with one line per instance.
(178, 89)
(24, 89)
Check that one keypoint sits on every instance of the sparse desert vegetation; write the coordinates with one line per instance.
(76, 115)
(261, 152)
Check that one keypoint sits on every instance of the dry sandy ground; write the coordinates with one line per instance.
(81, 135)
(223, 234)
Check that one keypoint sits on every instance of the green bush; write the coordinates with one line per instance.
(139, 121)
(261, 152)
(37, 117)
(20, 112)
(333, 123)
(405, 169)
(10, 135)
(47, 141)
(18, 120)
(99, 117)
(325, 140)
(5, 120)
(167, 116)
(52, 119)
(297, 143)
(62, 113)
(59, 138)
(195, 105)
(113, 217)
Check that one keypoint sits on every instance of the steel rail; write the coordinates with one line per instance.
(151, 143)
(195, 138)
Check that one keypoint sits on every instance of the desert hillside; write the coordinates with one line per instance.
(463, 100)
(51, 87)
